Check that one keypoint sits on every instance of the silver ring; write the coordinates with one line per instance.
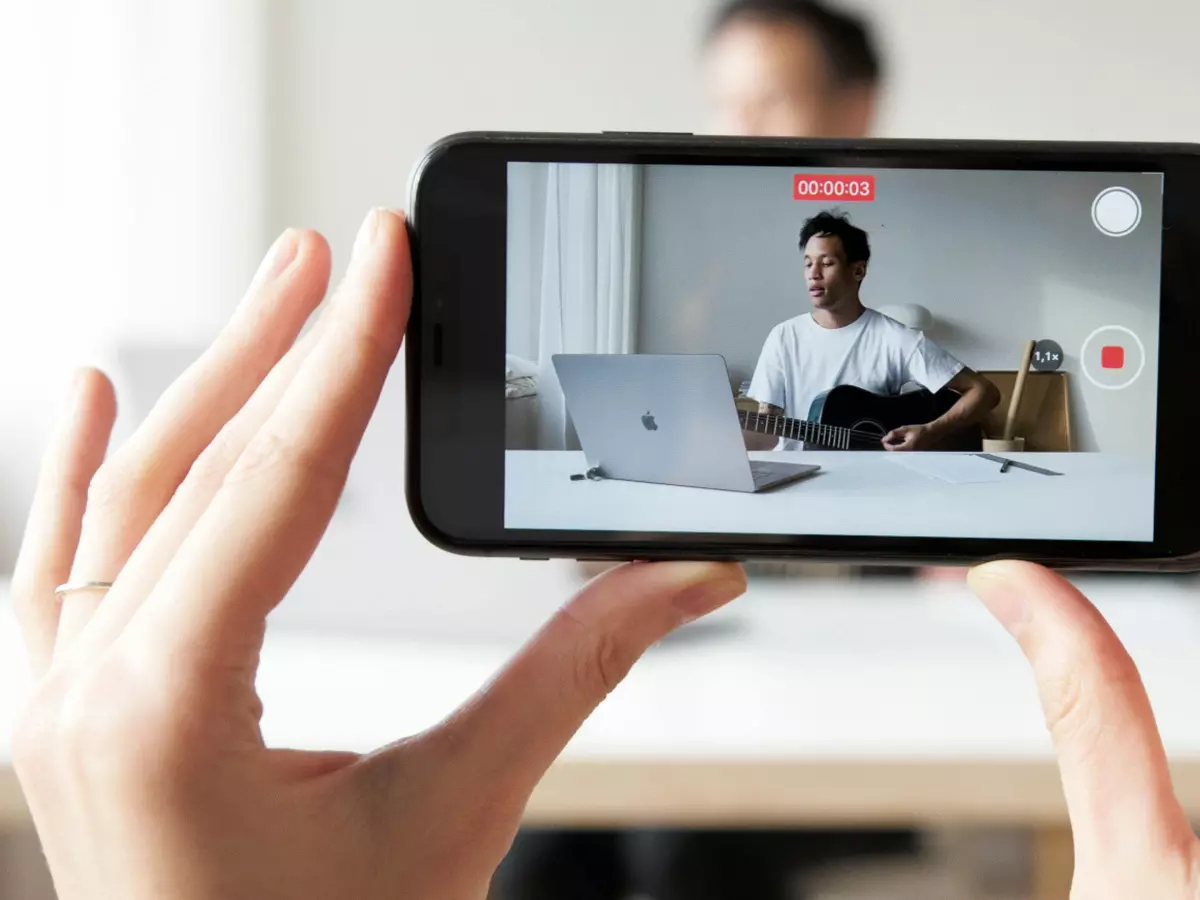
(82, 586)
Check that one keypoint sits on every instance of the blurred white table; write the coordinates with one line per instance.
(855, 493)
(802, 703)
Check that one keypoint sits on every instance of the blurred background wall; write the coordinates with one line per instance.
(163, 145)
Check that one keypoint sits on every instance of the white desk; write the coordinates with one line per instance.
(799, 703)
(1098, 497)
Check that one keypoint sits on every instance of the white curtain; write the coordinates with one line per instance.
(132, 177)
(589, 277)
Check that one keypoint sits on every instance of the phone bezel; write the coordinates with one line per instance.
(456, 336)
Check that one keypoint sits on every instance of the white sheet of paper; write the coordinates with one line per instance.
(953, 468)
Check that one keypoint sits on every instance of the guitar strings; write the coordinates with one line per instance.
(835, 429)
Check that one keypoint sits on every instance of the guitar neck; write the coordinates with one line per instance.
(831, 436)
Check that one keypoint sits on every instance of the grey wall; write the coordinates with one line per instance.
(998, 258)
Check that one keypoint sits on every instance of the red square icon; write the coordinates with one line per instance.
(1112, 357)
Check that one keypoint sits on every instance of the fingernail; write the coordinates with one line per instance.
(1003, 599)
(279, 257)
(701, 599)
(368, 231)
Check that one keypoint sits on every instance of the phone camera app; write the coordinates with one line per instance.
(1116, 211)
(1112, 357)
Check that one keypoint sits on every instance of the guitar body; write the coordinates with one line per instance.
(852, 407)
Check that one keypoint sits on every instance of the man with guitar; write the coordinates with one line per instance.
(842, 342)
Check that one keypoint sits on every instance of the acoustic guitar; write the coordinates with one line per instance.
(851, 418)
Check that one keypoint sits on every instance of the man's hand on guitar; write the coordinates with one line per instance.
(909, 437)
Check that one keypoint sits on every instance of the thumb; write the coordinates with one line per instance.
(515, 727)
(1114, 771)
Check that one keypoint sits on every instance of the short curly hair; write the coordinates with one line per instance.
(855, 242)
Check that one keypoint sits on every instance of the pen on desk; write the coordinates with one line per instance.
(1004, 468)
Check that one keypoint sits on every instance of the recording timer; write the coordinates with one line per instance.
(848, 188)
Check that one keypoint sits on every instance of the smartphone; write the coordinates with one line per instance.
(882, 352)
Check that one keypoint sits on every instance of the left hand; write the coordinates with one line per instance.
(140, 751)
(909, 437)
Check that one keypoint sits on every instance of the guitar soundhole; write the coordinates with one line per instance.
(869, 427)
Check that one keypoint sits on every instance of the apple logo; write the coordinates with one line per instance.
(648, 422)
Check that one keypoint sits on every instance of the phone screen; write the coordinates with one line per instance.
(885, 352)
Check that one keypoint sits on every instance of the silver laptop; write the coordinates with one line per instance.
(667, 419)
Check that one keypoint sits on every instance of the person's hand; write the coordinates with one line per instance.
(140, 751)
(1131, 836)
(908, 438)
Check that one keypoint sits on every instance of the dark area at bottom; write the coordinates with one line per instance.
(679, 865)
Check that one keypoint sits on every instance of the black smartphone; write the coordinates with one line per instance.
(897, 352)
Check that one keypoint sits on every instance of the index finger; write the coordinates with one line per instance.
(269, 514)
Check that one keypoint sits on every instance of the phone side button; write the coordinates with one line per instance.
(535, 559)
(651, 134)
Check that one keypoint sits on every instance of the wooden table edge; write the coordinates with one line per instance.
(808, 793)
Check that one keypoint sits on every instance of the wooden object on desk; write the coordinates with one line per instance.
(1044, 416)
(1014, 403)
(992, 445)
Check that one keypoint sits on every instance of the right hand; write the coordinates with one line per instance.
(1132, 837)
(908, 438)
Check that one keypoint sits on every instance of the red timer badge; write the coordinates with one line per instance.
(846, 188)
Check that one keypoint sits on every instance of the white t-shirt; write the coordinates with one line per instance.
(802, 359)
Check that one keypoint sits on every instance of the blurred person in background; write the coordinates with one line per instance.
(791, 68)
(774, 68)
